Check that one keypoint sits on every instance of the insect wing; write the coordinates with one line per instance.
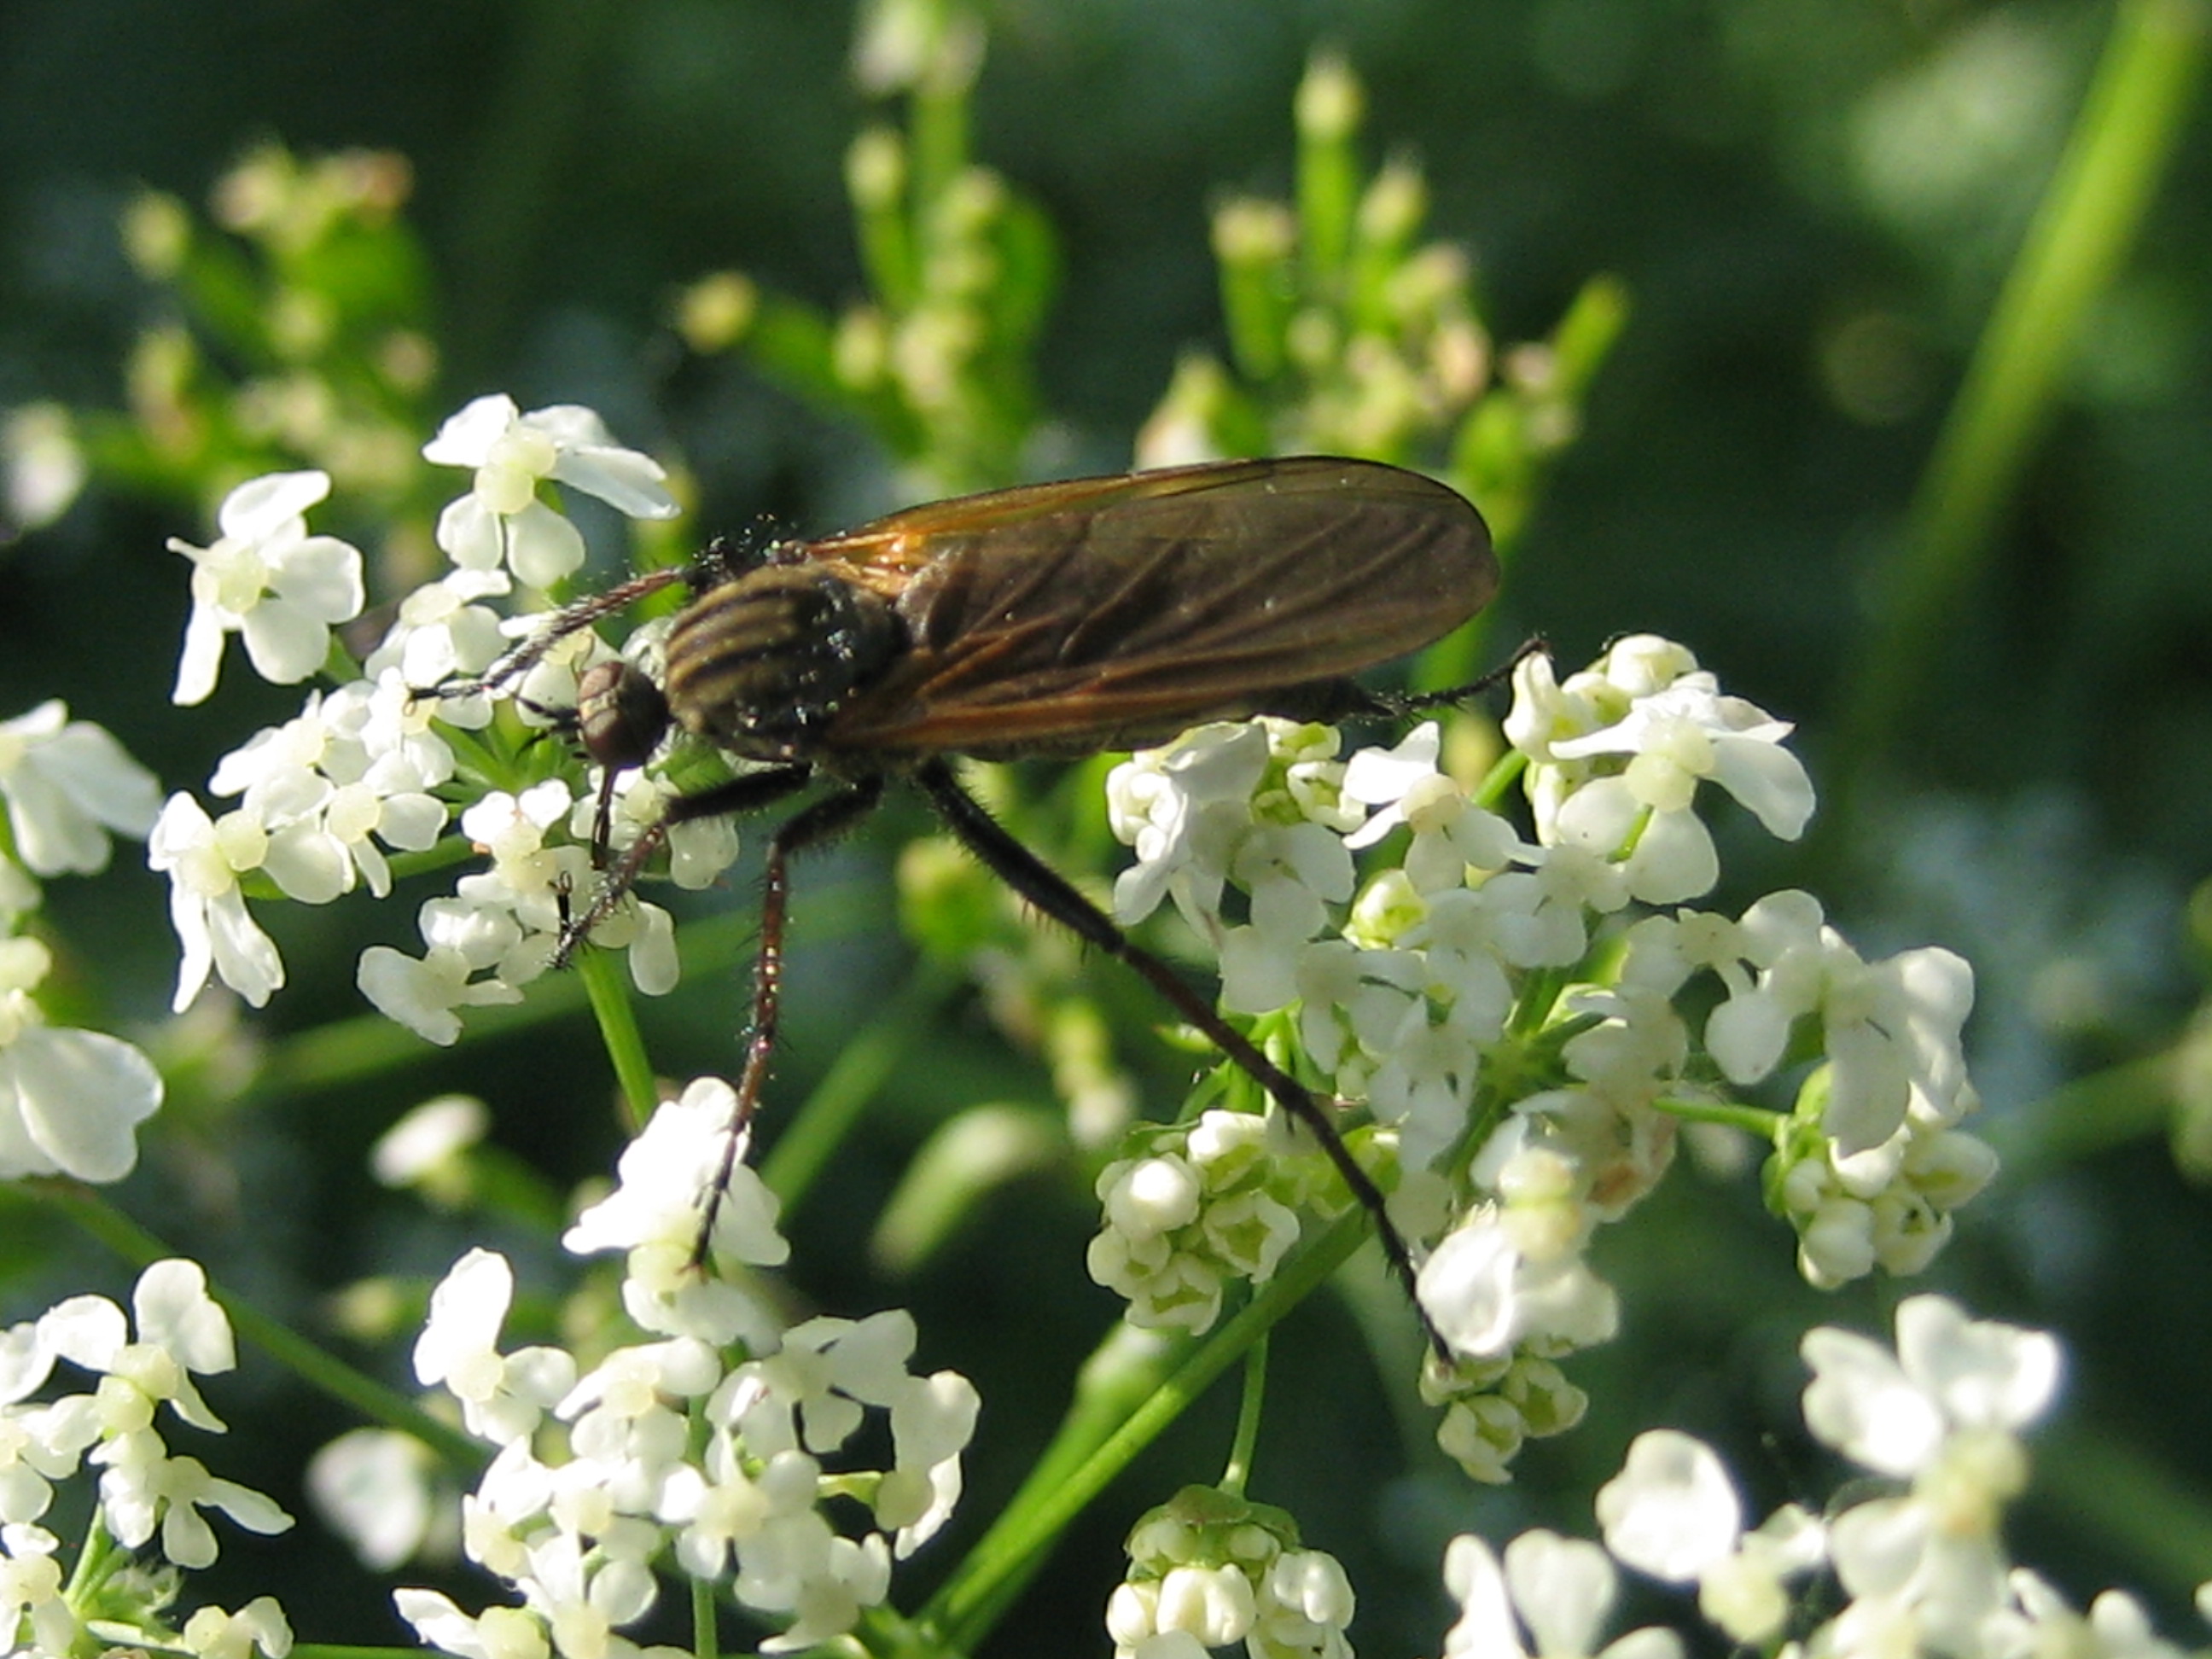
(1106, 611)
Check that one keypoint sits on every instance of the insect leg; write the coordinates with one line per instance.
(821, 821)
(569, 620)
(1413, 702)
(1051, 892)
(738, 795)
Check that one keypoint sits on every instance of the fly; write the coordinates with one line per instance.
(1055, 619)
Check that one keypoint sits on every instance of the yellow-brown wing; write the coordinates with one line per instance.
(1105, 612)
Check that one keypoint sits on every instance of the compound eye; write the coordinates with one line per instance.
(621, 714)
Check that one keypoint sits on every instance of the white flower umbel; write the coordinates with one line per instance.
(323, 784)
(369, 769)
(675, 1452)
(502, 517)
(70, 1101)
(1523, 1020)
(67, 784)
(502, 927)
(144, 1493)
(266, 577)
(1209, 1569)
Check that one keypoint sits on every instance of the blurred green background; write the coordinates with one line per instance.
(1812, 204)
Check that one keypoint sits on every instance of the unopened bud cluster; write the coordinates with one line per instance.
(1207, 1569)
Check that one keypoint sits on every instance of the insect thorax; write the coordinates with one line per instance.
(760, 665)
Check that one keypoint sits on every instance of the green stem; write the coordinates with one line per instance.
(2087, 1115)
(1132, 1392)
(1752, 1119)
(311, 1364)
(607, 987)
(2129, 124)
(93, 1560)
(704, 1642)
(1238, 1474)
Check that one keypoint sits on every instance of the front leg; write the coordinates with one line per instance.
(738, 795)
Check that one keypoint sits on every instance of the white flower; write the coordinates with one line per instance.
(1950, 1376)
(69, 1100)
(1560, 1588)
(933, 1420)
(2039, 1622)
(1644, 701)
(135, 1494)
(847, 1579)
(654, 1214)
(1483, 1291)
(203, 858)
(30, 1586)
(1672, 1512)
(1305, 1602)
(628, 1427)
(1943, 1413)
(699, 849)
(429, 1140)
(513, 454)
(181, 1330)
(502, 1395)
(811, 1393)
(260, 1624)
(373, 1489)
(1182, 809)
(441, 634)
(267, 577)
(1216, 1604)
(19, 894)
(67, 783)
(422, 993)
(1196, 1205)
(42, 466)
(496, 1633)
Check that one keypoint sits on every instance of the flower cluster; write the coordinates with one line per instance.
(1209, 1569)
(1922, 1567)
(1191, 1207)
(146, 1496)
(1524, 1015)
(377, 765)
(670, 1450)
(71, 1100)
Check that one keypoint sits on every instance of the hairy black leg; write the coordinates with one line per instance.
(1051, 892)
(1414, 702)
(569, 620)
(819, 821)
(738, 795)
